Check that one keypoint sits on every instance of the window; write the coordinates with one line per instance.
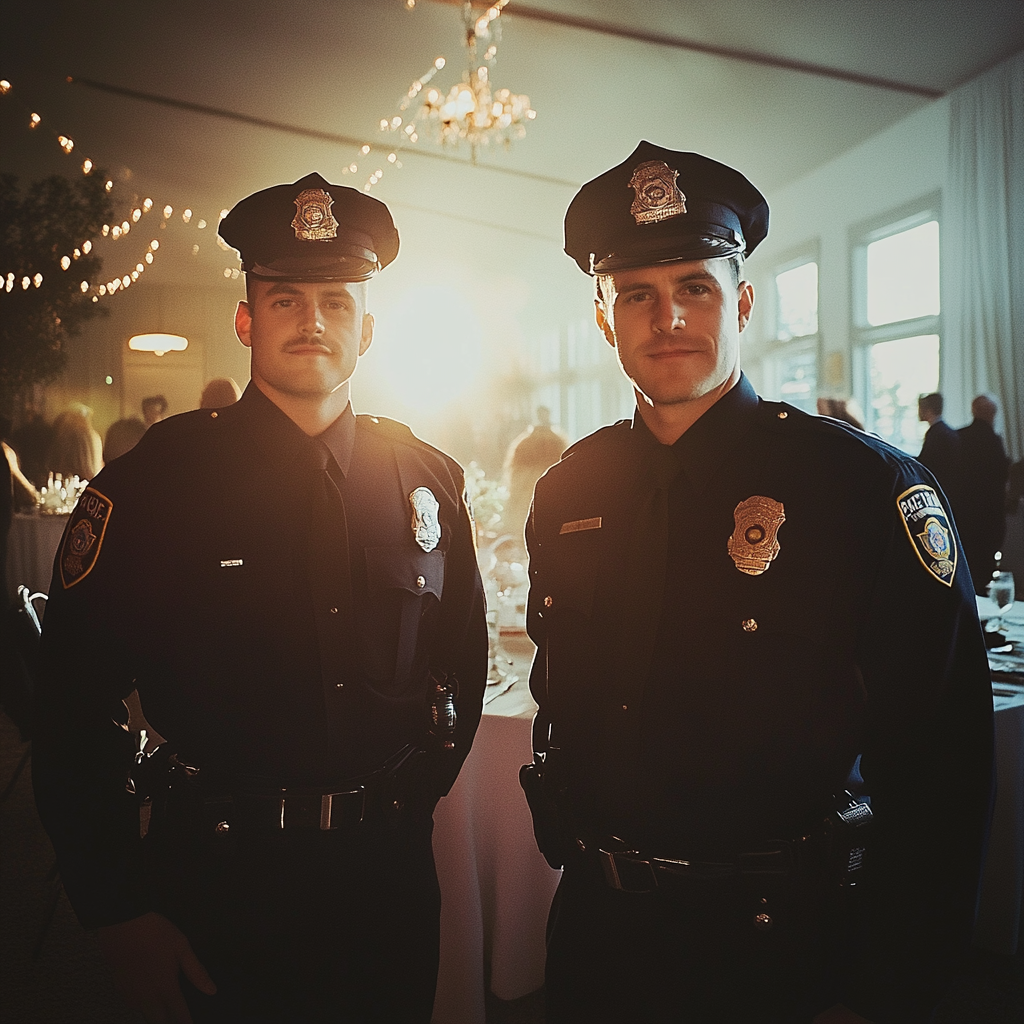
(897, 328)
(791, 363)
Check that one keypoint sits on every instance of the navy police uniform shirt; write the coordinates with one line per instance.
(194, 570)
(726, 623)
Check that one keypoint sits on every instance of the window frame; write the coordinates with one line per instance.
(862, 334)
(777, 348)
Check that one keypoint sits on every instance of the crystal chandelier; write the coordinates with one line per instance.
(472, 110)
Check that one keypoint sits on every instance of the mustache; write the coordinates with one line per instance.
(306, 343)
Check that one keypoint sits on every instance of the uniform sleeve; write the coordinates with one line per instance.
(464, 627)
(927, 760)
(82, 752)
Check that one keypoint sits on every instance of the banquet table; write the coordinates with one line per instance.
(999, 910)
(496, 888)
(31, 546)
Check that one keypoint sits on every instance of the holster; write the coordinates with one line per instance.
(550, 828)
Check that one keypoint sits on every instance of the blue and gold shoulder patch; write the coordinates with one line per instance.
(930, 531)
(83, 536)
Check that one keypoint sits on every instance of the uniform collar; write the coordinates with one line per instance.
(709, 442)
(338, 438)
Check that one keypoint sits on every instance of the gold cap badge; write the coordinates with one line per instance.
(313, 221)
(657, 194)
(426, 527)
(754, 543)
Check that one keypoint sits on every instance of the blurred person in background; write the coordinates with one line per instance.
(529, 457)
(220, 393)
(845, 409)
(940, 451)
(76, 448)
(981, 514)
(122, 436)
(154, 409)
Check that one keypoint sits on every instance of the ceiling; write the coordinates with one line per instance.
(336, 67)
(339, 66)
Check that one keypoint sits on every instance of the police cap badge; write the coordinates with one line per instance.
(660, 206)
(311, 230)
(931, 534)
(754, 543)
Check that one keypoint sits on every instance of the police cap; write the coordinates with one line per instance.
(311, 231)
(660, 206)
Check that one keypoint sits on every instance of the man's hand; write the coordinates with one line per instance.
(839, 1014)
(147, 954)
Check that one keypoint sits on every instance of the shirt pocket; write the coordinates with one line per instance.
(402, 567)
(404, 588)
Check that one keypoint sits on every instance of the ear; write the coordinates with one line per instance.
(602, 322)
(243, 323)
(745, 303)
(367, 335)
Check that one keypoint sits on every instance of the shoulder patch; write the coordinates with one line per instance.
(83, 536)
(931, 534)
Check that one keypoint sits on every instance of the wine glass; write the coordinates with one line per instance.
(1001, 593)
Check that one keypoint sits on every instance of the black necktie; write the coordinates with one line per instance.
(642, 573)
(329, 570)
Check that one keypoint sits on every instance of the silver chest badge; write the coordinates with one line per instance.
(426, 527)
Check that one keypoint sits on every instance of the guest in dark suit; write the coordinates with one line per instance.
(981, 515)
(941, 449)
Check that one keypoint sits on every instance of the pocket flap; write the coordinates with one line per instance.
(405, 567)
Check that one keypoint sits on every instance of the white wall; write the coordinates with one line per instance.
(898, 166)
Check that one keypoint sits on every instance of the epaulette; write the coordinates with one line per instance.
(783, 417)
(600, 438)
(399, 432)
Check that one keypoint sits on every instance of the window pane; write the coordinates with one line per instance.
(797, 291)
(901, 370)
(903, 275)
(798, 379)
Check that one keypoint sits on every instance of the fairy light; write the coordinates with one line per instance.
(65, 262)
(34, 121)
(5, 87)
(186, 216)
(87, 166)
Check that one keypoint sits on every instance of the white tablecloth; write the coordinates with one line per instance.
(496, 888)
(31, 546)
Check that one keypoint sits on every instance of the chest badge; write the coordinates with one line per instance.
(426, 527)
(754, 543)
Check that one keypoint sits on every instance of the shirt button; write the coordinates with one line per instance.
(334, 611)
(783, 415)
(420, 581)
(750, 625)
(548, 601)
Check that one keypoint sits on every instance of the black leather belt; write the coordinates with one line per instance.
(628, 870)
(299, 808)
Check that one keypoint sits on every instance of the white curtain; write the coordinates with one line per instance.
(984, 240)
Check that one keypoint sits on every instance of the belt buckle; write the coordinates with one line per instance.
(327, 807)
(613, 876)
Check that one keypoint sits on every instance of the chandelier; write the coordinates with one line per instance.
(472, 110)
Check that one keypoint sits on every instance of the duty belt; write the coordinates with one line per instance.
(227, 801)
(628, 870)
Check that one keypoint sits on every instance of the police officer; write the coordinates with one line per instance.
(293, 591)
(736, 606)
